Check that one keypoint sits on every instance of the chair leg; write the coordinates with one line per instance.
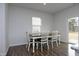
(48, 46)
(59, 40)
(56, 43)
(28, 46)
(41, 47)
(52, 43)
(37, 45)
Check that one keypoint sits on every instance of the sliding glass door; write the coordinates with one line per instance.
(73, 24)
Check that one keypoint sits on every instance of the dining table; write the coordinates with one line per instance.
(35, 37)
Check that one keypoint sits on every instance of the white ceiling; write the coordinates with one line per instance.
(49, 7)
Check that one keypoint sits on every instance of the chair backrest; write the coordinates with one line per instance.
(36, 34)
(44, 39)
(55, 33)
(28, 37)
(44, 34)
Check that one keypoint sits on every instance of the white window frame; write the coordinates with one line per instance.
(36, 23)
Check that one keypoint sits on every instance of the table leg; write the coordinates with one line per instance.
(33, 45)
(59, 40)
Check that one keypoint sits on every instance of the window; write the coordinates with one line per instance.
(36, 24)
(73, 23)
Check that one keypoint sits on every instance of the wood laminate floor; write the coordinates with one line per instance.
(63, 49)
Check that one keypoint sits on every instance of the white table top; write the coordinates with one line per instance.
(36, 37)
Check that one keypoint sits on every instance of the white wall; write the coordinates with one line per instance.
(6, 27)
(61, 19)
(20, 22)
(3, 40)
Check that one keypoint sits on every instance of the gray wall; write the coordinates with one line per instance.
(20, 22)
(3, 32)
(61, 20)
(7, 27)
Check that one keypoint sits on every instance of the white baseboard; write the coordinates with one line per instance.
(7, 50)
(64, 41)
(4, 53)
(17, 44)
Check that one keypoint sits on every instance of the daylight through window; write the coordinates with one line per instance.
(36, 24)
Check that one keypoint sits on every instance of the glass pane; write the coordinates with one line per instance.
(36, 21)
(36, 29)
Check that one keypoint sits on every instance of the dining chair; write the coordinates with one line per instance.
(58, 36)
(30, 40)
(37, 39)
(44, 40)
(55, 38)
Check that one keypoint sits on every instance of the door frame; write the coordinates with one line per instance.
(68, 28)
